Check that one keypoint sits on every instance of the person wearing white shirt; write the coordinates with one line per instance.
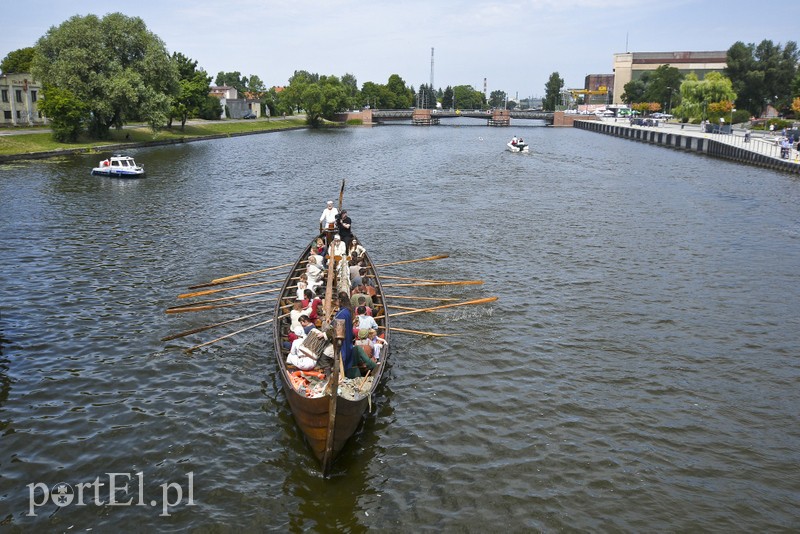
(364, 320)
(328, 216)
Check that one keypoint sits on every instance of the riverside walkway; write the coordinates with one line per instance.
(762, 149)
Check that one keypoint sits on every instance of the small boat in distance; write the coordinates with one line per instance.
(517, 145)
(119, 166)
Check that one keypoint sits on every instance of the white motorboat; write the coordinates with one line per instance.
(119, 166)
(517, 146)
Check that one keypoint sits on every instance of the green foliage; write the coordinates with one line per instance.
(320, 96)
(65, 111)
(447, 98)
(468, 98)
(762, 74)
(350, 85)
(710, 98)
(18, 61)
(114, 65)
(497, 99)
(426, 97)
(633, 91)
(210, 109)
(403, 97)
(393, 95)
(740, 116)
(231, 79)
(193, 84)
(552, 92)
(661, 85)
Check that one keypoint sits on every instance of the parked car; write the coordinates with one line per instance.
(661, 116)
(249, 115)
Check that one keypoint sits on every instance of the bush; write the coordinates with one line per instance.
(65, 112)
(741, 116)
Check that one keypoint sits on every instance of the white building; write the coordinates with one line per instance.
(18, 97)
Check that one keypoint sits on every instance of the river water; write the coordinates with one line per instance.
(639, 371)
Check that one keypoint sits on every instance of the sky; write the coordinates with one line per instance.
(514, 46)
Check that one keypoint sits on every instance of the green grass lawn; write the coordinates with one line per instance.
(27, 143)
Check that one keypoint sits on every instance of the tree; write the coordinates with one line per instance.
(467, 98)
(762, 74)
(320, 96)
(376, 95)
(350, 85)
(634, 90)
(497, 99)
(447, 98)
(193, 91)
(114, 65)
(18, 61)
(65, 111)
(663, 86)
(426, 97)
(552, 92)
(402, 96)
(706, 99)
(231, 79)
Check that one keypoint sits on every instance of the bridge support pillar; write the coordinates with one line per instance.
(500, 117)
(423, 117)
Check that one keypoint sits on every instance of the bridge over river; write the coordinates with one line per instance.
(426, 117)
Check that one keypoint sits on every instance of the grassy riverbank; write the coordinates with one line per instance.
(31, 142)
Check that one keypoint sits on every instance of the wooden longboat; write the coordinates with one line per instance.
(326, 422)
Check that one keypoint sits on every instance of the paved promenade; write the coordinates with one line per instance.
(761, 142)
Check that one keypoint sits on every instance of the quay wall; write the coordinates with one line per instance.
(703, 145)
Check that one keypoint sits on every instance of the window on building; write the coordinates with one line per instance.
(19, 114)
(19, 95)
(33, 96)
(4, 95)
(7, 115)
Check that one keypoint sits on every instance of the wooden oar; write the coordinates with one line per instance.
(407, 279)
(210, 291)
(429, 258)
(208, 327)
(435, 308)
(397, 307)
(438, 283)
(192, 308)
(405, 330)
(226, 336)
(220, 299)
(440, 299)
(227, 279)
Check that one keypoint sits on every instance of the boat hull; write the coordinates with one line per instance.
(312, 414)
(100, 171)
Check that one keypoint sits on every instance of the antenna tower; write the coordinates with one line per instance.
(431, 68)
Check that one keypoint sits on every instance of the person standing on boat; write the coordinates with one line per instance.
(344, 229)
(328, 216)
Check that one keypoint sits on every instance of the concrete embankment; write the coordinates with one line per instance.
(693, 142)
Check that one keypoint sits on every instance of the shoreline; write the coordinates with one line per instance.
(117, 146)
(759, 151)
